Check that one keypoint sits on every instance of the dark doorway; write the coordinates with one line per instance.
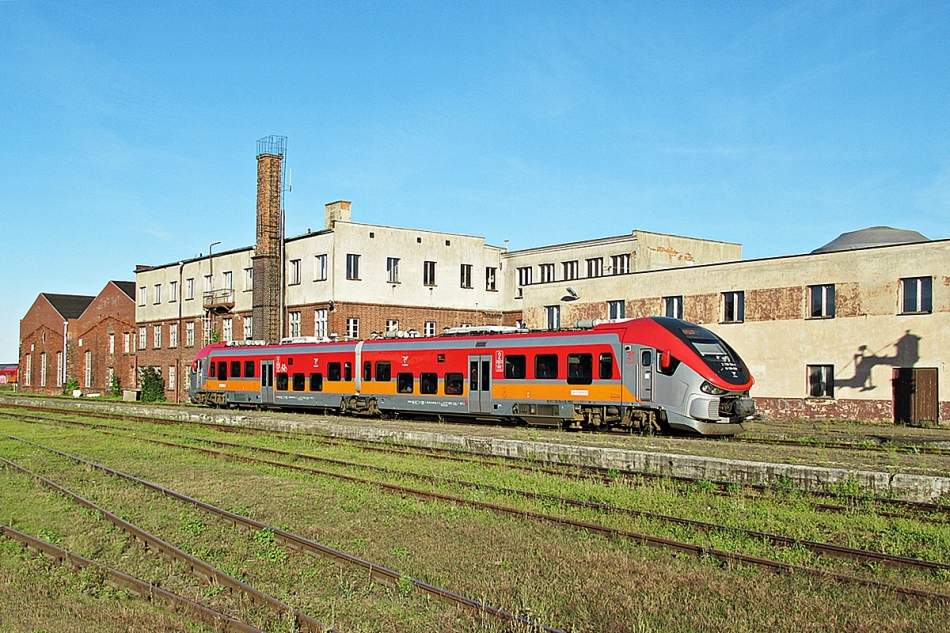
(915, 395)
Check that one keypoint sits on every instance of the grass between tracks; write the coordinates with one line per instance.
(563, 578)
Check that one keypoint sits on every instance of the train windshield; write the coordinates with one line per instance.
(717, 354)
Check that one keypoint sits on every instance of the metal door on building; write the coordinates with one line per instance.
(267, 382)
(479, 384)
(915, 395)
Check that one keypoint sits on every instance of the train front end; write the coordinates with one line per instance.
(702, 382)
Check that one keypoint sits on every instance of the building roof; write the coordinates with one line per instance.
(69, 306)
(869, 237)
(128, 287)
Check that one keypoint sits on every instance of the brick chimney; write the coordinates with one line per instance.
(267, 294)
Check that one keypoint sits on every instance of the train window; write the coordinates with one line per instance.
(545, 366)
(428, 383)
(347, 371)
(212, 370)
(281, 382)
(580, 369)
(606, 366)
(316, 382)
(367, 370)
(222, 370)
(235, 369)
(404, 383)
(333, 372)
(646, 358)
(248, 369)
(515, 366)
(300, 382)
(382, 371)
(454, 384)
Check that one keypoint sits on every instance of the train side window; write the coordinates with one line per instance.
(545, 366)
(580, 370)
(222, 370)
(281, 382)
(367, 370)
(348, 371)
(212, 370)
(646, 358)
(671, 363)
(235, 369)
(316, 382)
(454, 384)
(515, 366)
(300, 382)
(333, 372)
(606, 366)
(248, 369)
(428, 383)
(404, 383)
(383, 371)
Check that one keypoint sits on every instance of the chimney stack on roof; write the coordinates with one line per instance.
(338, 211)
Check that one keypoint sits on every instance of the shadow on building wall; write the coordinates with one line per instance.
(907, 353)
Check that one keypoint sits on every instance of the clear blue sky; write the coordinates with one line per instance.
(129, 128)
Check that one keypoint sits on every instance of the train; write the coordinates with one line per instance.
(652, 374)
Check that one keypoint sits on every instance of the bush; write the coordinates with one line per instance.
(71, 385)
(115, 388)
(153, 385)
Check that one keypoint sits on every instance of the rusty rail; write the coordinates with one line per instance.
(142, 588)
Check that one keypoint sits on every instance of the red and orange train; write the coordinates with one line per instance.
(644, 374)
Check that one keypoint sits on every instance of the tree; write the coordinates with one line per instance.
(153, 385)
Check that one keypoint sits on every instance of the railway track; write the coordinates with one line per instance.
(885, 446)
(376, 572)
(846, 503)
(653, 541)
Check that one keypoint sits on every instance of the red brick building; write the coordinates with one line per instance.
(78, 336)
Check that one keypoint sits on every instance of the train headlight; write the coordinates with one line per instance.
(712, 389)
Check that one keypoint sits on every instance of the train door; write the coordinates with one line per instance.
(646, 375)
(479, 384)
(267, 382)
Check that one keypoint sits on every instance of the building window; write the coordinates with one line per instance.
(189, 289)
(620, 264)
(553, 316)
(248, 279)
(110, 376)
(228, 280)
(320, 267)
(595, 267)
(112, 343)
(352, 266)
(142, 337)
(173, 335)
(172, 291)
(126, 343)
(294, 324)
(320, 320)
(88, 372)
(293, 275)
(190, 334)
(208, 283)
(617, 309)
(525, 276)
(490, 276)
(158, 294)
(547, 272)
(570, 270)
(392, 325)
(60, 378)
(248, 328)
(821, 381)
(917, 294)
(141, 296)
(673, 307)
(227, 330)
(733, 306)
(428, 273)
(171, 378)
(429, 328)
(821, 300)
(29, 369)
(352, 328)
(392, 270)
(466, 276)
(157, 336)
(43, 369)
